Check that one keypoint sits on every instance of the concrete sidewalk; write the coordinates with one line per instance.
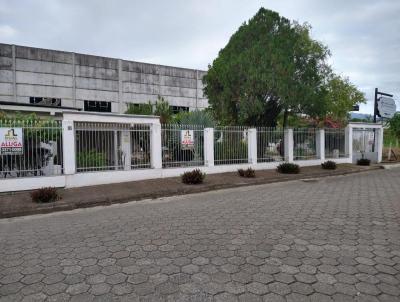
(20, 204)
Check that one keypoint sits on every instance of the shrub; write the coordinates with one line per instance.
(288, 168)
(363, 162)
(43, 195)
(329, 165)
(142, 109)
(249, 173)
(91, 159)
(193, 177)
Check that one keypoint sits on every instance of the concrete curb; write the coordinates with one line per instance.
(390, 166)
(185, 190)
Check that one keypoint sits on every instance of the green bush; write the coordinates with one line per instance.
(329, 165)
(363, 162)
(141, 109)
(35, 127)
(193, 177)
(197, 117)
(91, 159)
(44, 195)
(248, 173)
(288, 168)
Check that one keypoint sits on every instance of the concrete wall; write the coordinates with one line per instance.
(73, 77)
(6, 73)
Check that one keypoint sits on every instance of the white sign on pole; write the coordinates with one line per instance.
(386, 107)
(11, 141)
(187, 139)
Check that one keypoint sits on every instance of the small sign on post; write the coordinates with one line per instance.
(187, 139)
(11, 141)
(386, 107)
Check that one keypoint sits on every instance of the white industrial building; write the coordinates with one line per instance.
(44, 80)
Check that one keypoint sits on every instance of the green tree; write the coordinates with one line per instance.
(394, 125)
(341, 96)
(163, 110)
(269, 65)
(197, 117)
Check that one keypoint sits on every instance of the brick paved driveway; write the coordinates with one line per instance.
(335, 239)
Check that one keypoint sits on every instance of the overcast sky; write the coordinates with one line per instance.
(363, 35)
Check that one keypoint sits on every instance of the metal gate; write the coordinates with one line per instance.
(364, 144)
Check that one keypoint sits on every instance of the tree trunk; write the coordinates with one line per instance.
(285, 118)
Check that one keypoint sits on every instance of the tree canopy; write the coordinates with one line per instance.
(270, 65)
(341, 97)
(394, 125)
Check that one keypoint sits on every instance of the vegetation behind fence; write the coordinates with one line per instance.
(121, 146)
(41, 153)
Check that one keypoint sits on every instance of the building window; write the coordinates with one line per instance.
(141, 109)
(54, 102)
(97, 106)
(177, 109)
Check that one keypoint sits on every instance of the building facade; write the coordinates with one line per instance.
(55, 80)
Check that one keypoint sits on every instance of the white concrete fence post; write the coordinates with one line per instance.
(252, 145)
(209, 147)
(156, 146)
(126, 149)
(68, 138)
(348, 142)
(288, 145)
(320, 144)
(379, 143)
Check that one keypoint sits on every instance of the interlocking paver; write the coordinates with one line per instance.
(336, 239)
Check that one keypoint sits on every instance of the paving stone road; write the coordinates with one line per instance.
(337, 239)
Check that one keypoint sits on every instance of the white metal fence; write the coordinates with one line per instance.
(270, 144)
(176, 154)
(111, 146)
(41, 152)
(304, 142)
(230, 145)
(335, 143)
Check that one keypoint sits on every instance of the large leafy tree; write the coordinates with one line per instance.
(394, 125)
(341, 96)
(270, 65)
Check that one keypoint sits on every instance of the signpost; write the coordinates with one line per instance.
(384, 106)
(11, 141)
(187, 139)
